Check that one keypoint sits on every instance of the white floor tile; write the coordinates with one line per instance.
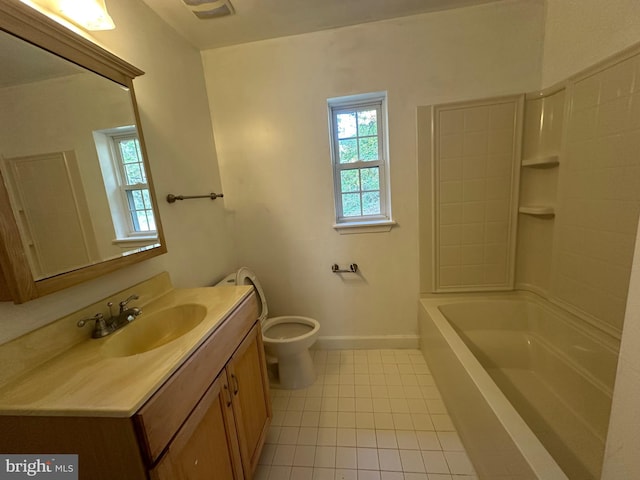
(416, 476)
(368, 459)
(389, 460)
(428, 440)
(305, 456)
(346, 457)
(391, 475)
(365, 420)
(323, 474)
(308, 436)
(284, 455)
(386, 439)
(327, 436)
(345, 474)
(366, 438)
(434, 462)
(412, 461)
(325, 457)
(310, 419)
(368, 475)
(346, 437)
(371, 415)
(279, 473)
(288, 435)
(301, 473)
(407, 440)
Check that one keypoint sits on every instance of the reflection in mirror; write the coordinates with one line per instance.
(71, 161)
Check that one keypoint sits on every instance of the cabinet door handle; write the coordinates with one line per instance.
(226, 389)
(237, 384)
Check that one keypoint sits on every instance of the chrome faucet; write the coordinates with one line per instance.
(104, 327)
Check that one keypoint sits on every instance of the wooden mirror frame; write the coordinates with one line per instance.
(17, 282)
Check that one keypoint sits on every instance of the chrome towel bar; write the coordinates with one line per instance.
(171, 198)
(353, 268)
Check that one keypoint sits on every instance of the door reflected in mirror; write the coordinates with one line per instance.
(72, 162)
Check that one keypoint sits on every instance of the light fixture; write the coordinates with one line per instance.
(87, 14)
(205, 9)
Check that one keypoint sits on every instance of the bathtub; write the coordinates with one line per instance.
(528, 385)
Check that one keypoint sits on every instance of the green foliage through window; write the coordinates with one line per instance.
(358, 157)
(134, 183)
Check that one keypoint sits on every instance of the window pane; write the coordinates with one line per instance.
(349, 181)
(134, 174)
(367, 123)
(147, 199)
(371, 203)
(143, 224)
(370, 178)
(348, 151)
(130, 151)
(152, 220)
(346, 125)
(351, 205)
(368, 148)
(135, 200)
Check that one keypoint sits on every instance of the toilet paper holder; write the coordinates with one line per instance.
(353, 268)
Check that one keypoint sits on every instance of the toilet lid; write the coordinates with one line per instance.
(244, 276)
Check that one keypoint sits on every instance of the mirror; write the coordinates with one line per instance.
(77, 192)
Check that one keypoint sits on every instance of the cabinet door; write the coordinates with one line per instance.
(247, 374)
(205, 447)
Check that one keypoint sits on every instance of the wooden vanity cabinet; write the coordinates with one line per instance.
(209, 420)
(195, 424)
(225, 432)
(250, 400)
(206, 444)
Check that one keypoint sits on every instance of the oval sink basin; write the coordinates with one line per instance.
(154, 330)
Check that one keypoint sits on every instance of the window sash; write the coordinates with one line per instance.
(359, 165)
(140, 221)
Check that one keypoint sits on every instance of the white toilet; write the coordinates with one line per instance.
(286, 339)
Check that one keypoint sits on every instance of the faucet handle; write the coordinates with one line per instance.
(125, 302)
(98, 317)
(100, 329)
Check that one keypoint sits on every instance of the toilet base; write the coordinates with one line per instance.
(296, 371)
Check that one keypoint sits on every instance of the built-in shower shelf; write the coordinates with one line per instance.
(542, 161)
(538, 210)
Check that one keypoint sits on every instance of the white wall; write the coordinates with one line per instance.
(268, 105)
(579, 33)
(177, 129)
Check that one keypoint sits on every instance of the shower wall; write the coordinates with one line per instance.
(580, 192)
(476, 164)
(599, 187)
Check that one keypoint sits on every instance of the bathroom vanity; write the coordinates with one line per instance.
(174, 406)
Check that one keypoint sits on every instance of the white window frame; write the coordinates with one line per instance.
(364, 223)
(115, 138)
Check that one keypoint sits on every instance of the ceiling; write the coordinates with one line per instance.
(262, 19)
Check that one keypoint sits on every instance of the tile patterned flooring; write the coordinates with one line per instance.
(370, 415)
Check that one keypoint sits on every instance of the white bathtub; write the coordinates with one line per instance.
(527, 384)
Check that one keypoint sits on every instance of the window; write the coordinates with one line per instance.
(360, 160)
(132, 180)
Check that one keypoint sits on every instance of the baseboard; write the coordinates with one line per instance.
(367, 342)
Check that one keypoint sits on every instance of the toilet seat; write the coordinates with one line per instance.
(286, 340)
(244, 276)
(283, 329)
